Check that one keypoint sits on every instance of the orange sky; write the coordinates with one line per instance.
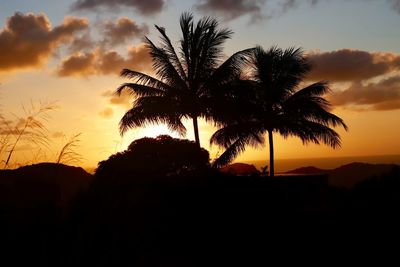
(73, 57)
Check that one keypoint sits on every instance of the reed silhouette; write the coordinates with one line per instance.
(30, 129)
(68, 152)
(274, 103)
(186, 79)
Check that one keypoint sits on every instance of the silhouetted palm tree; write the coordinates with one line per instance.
(186, 80)
(274, 103)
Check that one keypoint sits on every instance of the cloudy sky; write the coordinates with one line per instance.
(72, 51)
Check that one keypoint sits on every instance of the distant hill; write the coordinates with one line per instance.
(348, 175)
(44, 185)
(239, 169)
(351, 174)
(308, 170)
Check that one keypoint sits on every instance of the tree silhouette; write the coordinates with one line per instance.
(185, 79)
(162, 155)
(274, 103)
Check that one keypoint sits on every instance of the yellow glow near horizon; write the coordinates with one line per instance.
(100, 139)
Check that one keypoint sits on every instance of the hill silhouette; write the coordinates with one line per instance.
(36, 203)
(348, 175)
(352, 174)
(29, 191)
(239, 169)
(309, 170)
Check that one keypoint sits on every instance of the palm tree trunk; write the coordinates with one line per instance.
(271, 154)
(196, 131)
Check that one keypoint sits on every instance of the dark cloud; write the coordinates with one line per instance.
(145, 7)
(351, 65)
(83, 42)
(112, 34)
(122, 30)
(28, 40)
(232, 9)
(79, 64)
(138, 58)
(381, 95)
(370, 88)
(107, 113)
(289, 4)
(395, 5)
(100, 62)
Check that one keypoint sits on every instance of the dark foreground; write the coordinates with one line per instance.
(55, 215)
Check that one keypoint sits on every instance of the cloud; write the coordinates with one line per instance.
(112, 34)
(374, 77)
(147, 7)
(83, 42)
(395, 5)
(290, 4)
(232, 9)
(28, 40)
(107, 113)
(125, 99)
(100, 62)
(351, 65)
(382, 95)
(79, 64)
(122, 30)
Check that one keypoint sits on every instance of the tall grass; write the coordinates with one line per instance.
(30, 128)
(68, 152)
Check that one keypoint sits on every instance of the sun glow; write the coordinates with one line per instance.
(156, 130)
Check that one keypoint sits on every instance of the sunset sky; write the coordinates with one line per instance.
(71, 52)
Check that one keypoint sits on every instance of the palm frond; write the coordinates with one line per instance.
(144, 79)
(210, 45)
(175, 124)
(238, 146)
(186, 23)
(312, 132)
(165, 69)
(140, 90)
(230, 70)
(230, 153)
(315, 89)
(152, 110)
(169, 48)
(227, 135)
(309, 104)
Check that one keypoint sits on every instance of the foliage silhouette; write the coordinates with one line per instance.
(187, 80)
(274, 103)
(163, 155)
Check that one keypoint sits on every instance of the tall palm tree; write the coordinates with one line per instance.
(275, 103)
(186, 81)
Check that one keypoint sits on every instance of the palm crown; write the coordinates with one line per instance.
(187, 81)
(274, 103)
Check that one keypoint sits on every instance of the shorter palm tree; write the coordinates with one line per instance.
(274, 103)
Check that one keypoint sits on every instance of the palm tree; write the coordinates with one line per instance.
(187, 80)
(275, 103)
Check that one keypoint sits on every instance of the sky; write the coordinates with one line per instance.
(69, 53)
